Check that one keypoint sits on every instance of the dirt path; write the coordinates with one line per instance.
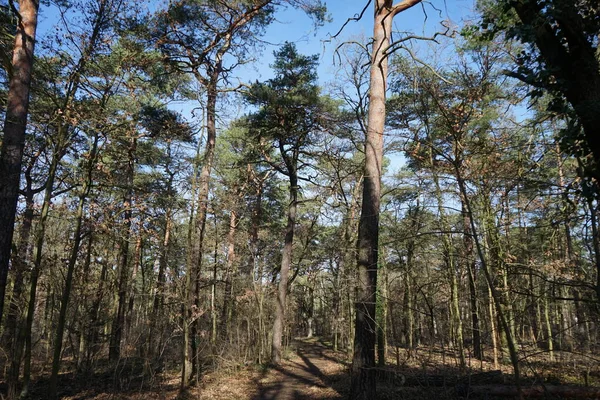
(313, 372)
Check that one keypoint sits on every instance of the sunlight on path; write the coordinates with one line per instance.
(312, 373)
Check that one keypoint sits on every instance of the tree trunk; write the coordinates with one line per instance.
(13, 141)
(363, 382)
(62, 317)
(488, 277)
(14, 332)
(382, 311)
(159, 296)
(230, 272)
(84, 325)
(286, 263)
(455, 318)
(204, 186)
(118, 324)
(36, 270)
(469, 260)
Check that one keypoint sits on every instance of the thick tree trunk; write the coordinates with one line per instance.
(186, 304)
(363, 383)
(382, 312)
(13, 141)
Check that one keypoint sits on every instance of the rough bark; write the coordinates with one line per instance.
(363, 383)
(13, 141)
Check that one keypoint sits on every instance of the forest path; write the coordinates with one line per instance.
(314, 371)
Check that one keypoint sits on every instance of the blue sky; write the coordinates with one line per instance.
(294, 26)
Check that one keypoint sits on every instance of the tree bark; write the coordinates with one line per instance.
(363, 383)
(15, 333)
(13, 141)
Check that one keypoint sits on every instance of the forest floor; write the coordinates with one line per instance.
(311, 371)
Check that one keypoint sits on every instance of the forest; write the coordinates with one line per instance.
(421, 223)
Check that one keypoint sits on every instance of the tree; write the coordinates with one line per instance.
(363, 375)
(15, 123)
(560, 57)
(197, 37)
(290, 117)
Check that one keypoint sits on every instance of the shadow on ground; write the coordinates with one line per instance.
(313, 372)
(128, 379)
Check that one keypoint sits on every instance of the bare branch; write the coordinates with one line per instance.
(404, 5)
(357, 17)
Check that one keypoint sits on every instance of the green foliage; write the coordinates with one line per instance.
(289, 103)
(8, 24)
(559, 55)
